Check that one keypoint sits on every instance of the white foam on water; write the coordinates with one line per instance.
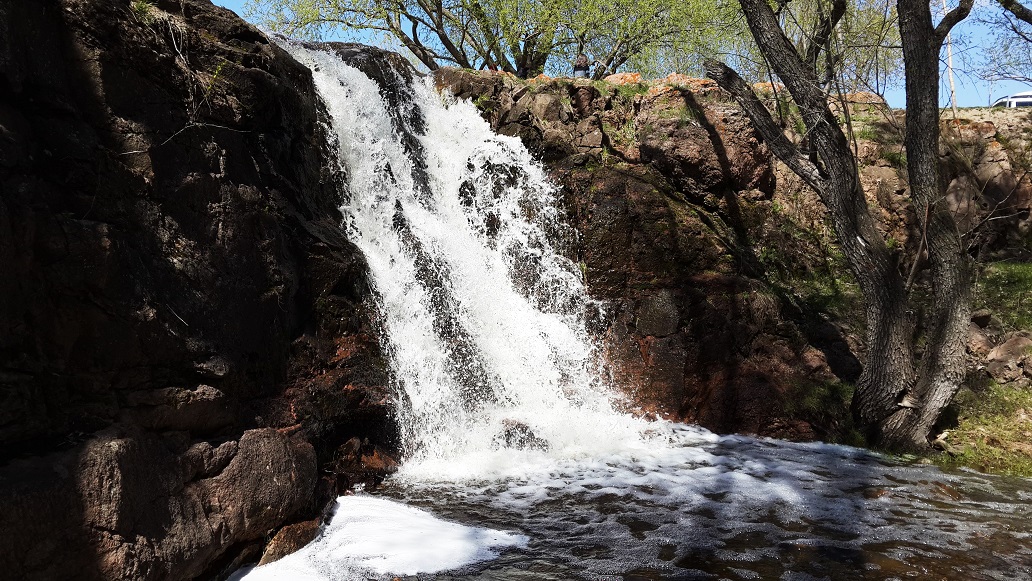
(370, 536)
(773, 505)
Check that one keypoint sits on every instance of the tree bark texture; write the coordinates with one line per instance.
(942, 365)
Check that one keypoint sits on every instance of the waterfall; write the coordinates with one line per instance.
(517, 464)
(485, 320)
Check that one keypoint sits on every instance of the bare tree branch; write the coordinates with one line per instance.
(1017, 9)
(765, 124)
(822, 32)
(951, 19)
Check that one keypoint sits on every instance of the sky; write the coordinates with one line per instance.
(971, 91)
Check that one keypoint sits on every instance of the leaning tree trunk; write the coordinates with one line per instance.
(896, 402)
(942, 366)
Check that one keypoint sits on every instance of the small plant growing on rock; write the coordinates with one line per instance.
(1003, 288)
(687, 117)
(142, 11)
(825, 406)
(897, 159)
(865, 133)
(484, 103)
(630, 90)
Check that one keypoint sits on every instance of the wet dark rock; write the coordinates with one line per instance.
(289, 539)
(658, 314)
(201, 410)
(123, 506)
(363, 464)
(519, 436)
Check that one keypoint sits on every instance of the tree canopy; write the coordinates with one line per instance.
(523, 37)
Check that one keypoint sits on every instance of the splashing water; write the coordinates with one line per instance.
(507, 419)
(485, 319)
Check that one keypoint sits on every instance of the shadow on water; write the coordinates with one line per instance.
(746, 508)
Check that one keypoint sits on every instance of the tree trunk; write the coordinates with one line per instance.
(891, 380)
(942, 365)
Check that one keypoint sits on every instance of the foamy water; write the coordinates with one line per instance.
(700, 506)
(508, 423)
(377, 537)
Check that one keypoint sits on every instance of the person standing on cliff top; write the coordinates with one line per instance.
(580, 66)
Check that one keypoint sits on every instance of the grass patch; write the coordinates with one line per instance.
(485, 104)
(866, 133)
(629, 90)
(807, 266)
(786, 109)
(897, 159)
(685, 115)
(1004, 288)
(993, 431)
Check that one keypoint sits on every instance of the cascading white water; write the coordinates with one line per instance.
(508, 422)
(485, 319)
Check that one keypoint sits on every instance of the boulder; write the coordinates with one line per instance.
(979, 344)
(519, 436)
(126, 505)
(290, 539)
(1012, 359)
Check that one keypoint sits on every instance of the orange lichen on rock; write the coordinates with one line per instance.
(624, 78)
(768, 88)
(692, 83)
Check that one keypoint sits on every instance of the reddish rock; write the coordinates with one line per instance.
(290, 539)
(979, 344)
(624, 78)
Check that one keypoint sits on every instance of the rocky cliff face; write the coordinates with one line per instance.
(731, 305)
(183, 345)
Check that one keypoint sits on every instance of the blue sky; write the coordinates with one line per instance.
(971, 91)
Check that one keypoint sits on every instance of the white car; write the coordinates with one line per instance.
(1015, 100)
